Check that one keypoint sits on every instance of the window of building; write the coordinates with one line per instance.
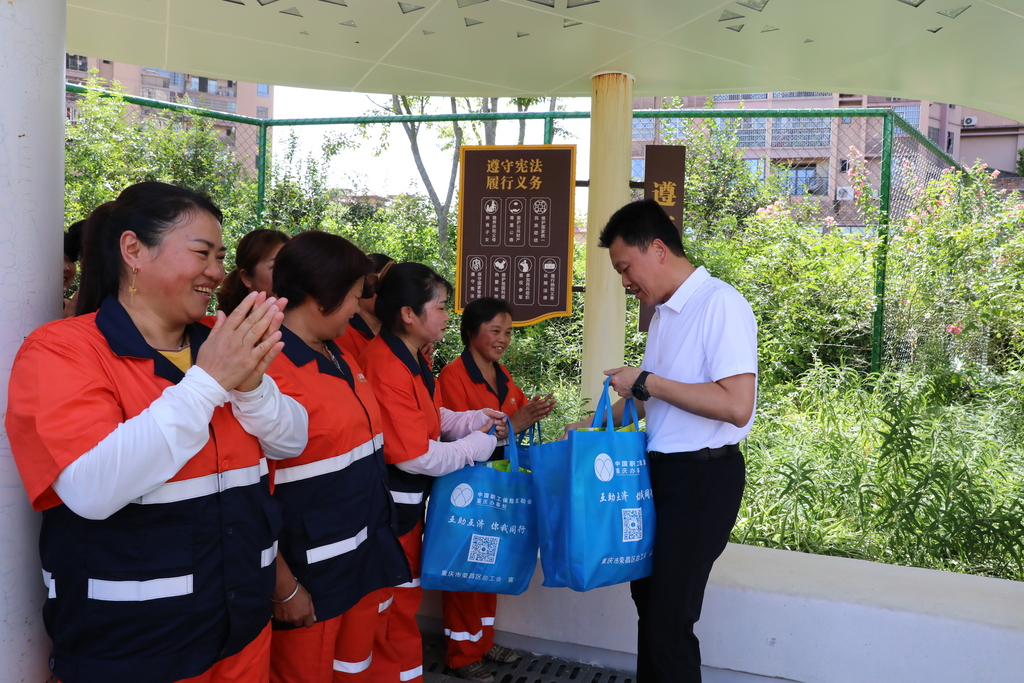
(177, 79)
(801, 132)
(263, 112)
(949, 141)
(211, 86)
(735, 97)
(844, 165)
(933, 134)
(802, 179)
(847, 119)
(758, 167)
(911, 113)
(643, 129)
(749, 132)
(76, 62)
(799, 93)
(263, 90)
(637, 171)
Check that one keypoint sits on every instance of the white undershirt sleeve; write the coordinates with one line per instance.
(143, 452)
(443, 457)
(279, 422)
(455, 425)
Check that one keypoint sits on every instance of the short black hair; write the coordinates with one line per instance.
(406, 284)
(73, 241)
(318, 265)
(638, 224)
(479, 312)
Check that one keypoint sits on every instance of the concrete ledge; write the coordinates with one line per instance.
(800, 617)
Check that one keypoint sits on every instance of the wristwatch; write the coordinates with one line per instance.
(640, 392)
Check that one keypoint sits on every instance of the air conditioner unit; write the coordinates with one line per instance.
(844, 194)
(970, 121)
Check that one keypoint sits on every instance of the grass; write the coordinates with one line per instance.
(904, 468)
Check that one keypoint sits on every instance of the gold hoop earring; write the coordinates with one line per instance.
(131, 287)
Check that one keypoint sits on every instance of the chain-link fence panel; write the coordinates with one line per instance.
(928, 304)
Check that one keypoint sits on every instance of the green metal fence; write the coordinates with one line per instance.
(830, 157)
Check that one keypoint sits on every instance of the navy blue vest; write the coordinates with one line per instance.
(172, 582)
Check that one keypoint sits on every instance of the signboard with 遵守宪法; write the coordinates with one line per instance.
(516, 228)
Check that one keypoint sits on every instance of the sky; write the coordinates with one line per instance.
(393, 171)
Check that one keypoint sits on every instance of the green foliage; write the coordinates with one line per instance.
(722, 191)
(111, 146)
(1020, 162)
(955, 266)
(882, 468)
(812, 291)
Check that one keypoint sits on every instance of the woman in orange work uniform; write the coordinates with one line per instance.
(159, 532)
(477, 379)
(254, 267)
(339, 553)
(364, 325)
(422, 440)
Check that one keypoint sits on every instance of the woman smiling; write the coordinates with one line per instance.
(159, 533)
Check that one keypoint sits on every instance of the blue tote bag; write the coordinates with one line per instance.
(593, 493)
(481, 530)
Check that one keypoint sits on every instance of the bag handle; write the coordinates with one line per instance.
(532, 435)
(628, 411)
(510, 448)
(603, 409)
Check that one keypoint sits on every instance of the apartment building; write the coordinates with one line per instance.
(255, 100)
(812, 156)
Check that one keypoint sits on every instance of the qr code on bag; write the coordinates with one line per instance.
(483, 549)
(632, 525)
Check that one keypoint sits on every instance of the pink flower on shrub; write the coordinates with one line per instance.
(955, 328)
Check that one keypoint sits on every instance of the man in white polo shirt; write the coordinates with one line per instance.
(697, 386)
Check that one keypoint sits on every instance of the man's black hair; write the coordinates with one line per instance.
(638, 224)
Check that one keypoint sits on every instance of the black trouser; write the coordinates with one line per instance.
(696, 505)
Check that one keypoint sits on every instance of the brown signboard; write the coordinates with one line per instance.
(664, 176)
(516, 228)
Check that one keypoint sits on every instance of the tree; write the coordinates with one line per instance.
(453, 135)
(113, 144)
(721, 189)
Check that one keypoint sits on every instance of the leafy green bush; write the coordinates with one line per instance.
(881, 468)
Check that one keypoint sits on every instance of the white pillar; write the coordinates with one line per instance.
(604, 310)
(31, 216)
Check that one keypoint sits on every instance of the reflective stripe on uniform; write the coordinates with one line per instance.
(187, 489)
(137, 591)
(287, 475)
(464, 635)
(269, 555)
(352, 667)
(411, 674)
(407, 498)
(51, 585)
(487, 621)
(330, 550)
(415, 583)
(384, 605)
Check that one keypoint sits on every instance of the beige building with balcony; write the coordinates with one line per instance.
(814, 154)
(254, 100)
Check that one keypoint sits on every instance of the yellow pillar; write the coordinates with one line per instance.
(604, 313)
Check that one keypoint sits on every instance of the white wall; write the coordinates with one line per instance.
(31, 220)
(804, 618)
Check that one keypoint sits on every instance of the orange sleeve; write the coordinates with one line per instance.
(60, 405)
(454, 380)
(406, 428)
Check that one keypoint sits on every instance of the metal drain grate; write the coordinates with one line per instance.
(532, 668)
